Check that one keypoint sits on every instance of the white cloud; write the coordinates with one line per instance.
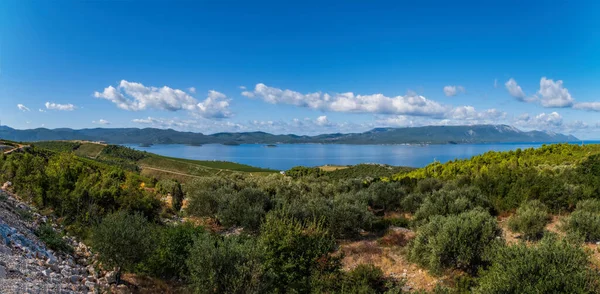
(41, 110)
(453, 90)
(322, 120)
(61, 107)
(135, 96)
(216, 105)
(410, 104)
(242, 87)
(515, 90)
(553, 94)
(192, 90)
(590, 106)
(543, 121)
(101, 122)
(22, 107)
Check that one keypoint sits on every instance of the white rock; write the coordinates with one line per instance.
(2, 272)
(111, 277)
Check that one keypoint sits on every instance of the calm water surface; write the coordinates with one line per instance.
(286, 156)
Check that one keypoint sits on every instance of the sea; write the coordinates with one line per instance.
(286, 156)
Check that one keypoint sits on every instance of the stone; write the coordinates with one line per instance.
(46, 272)
(2, 272)
(111, 277)
(90, 285)
(75, 279)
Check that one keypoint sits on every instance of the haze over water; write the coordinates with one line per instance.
(286, 156)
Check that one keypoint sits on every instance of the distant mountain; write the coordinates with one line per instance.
(416, 135)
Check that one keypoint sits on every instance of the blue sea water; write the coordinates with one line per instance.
(286, 156)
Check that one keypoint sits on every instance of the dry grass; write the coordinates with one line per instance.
(387, 253)
(329, 168)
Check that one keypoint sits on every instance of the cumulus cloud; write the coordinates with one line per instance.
(554, 94)
(514, 89)
(410, 104)
(101, 122)
(60, 107)
(543, 121)
(304, 126)
(41, 110)
(322, 120)
(135, 96)
(22, 107)
(589, 106)
(192, 90)
(453, 90)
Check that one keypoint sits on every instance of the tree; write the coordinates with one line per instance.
(530, 220)
(461, 241)
(552, 266)
(295, 253)
(225, 265)
(123, 240)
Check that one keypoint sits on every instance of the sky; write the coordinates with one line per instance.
(303, 67)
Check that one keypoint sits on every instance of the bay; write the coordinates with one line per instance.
(286, 156)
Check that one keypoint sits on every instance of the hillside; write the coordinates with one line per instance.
(148, 164)
(416, 135)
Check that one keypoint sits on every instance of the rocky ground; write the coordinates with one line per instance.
(28, 266)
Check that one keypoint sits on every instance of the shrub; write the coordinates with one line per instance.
(123, 240)
(551, 266)
(450, 201)
(52, 239)
(386, 196)
(530, 220)
(296, 253)
(174, 188)
(585, 220)
(206, 203)
(348, 216)
(225, 265)
(246, 208)
(458, 241)
(168, 259)
(365, 278)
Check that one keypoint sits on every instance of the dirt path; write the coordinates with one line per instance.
(20, 147)
(168, 171)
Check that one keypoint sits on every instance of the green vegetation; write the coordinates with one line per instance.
(552, 266)
(123, 240)
(463, 241)
(52, 239)
(530, 220)
(289, 233)
(585, 220)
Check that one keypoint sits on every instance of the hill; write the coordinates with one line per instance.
(416, 135)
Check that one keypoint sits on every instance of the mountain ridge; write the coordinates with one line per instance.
(406, 135)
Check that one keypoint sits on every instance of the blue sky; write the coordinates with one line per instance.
(300, 67)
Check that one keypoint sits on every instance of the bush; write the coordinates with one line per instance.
(123, 240)
(168, 259)
(52, 239)
(530, 220)
(225, 265)
(296, 253)
(365, 278)
(206, 203)
(459, 241)
(450, 201)
(585, 220)
(386, 196)
(174, 188)
(246, 208)
(552, 266)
